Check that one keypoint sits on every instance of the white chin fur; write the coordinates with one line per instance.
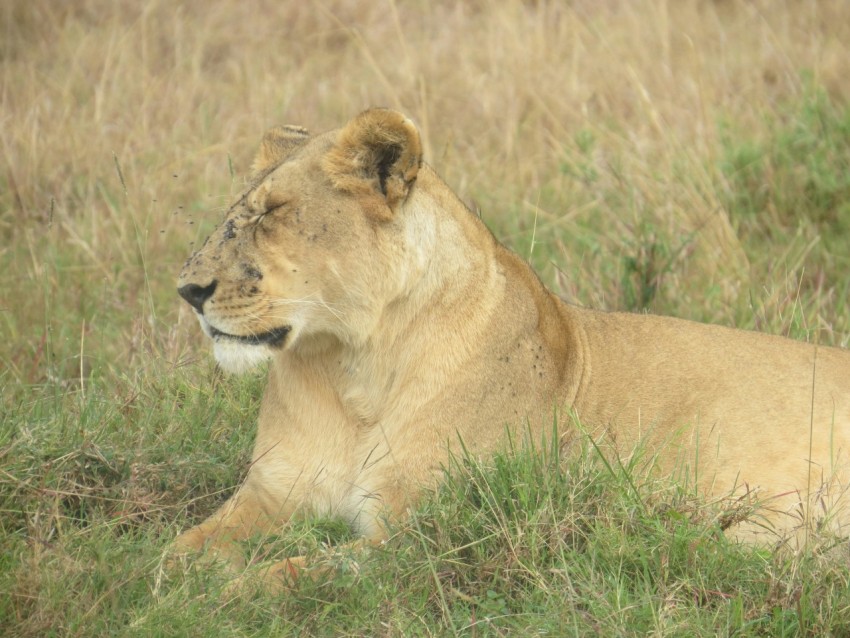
(238, 358)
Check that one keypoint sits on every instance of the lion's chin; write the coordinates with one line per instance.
(238, 358)
(240, 354)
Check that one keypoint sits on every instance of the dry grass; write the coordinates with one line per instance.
(593, 136)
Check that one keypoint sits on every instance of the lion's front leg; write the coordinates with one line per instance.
(239, 518)
(279, 576)
(370, 512)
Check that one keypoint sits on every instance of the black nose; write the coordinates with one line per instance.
(196, 295)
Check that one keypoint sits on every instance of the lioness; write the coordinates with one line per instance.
(397, 327)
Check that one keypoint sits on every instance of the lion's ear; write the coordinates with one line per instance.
(278, 143)
(377, 155)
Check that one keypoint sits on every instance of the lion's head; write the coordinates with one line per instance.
(316, 246)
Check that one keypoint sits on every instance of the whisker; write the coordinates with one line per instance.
(286, 302)
(314, 302)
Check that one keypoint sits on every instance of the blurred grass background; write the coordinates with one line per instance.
(688, 158)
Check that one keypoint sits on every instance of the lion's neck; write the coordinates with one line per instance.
(448, 295)
(451, 278)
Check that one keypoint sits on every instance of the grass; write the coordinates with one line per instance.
(704, 176)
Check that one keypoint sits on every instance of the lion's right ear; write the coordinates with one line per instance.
(278, 143)
(377, 157)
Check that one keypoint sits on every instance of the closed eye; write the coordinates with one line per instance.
(270, 210)
(257, 219)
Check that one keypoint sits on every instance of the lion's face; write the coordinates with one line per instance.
(314, 247)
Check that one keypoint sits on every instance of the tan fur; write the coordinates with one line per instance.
(411, 328)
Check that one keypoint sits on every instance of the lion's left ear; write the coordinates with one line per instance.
(278, 144)
(377, 156)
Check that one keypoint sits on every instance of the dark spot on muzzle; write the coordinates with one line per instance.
(229, 230)
(251, 273)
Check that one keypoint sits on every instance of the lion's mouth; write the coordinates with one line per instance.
(274, 337)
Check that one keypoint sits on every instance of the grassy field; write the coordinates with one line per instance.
(688, 158)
